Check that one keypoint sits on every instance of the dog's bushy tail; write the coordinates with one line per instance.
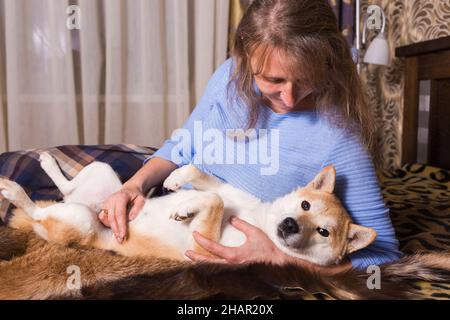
(420, 266)
(397, 280)
(125, 278)
(210, 281)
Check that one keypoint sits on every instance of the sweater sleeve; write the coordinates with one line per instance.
(181, 153)
(358, 188)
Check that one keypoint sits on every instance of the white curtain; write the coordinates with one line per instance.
(131, 74)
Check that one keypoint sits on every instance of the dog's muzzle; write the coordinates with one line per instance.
(288, 227)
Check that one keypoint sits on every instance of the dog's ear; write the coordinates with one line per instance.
(325, 180)
(359, 237)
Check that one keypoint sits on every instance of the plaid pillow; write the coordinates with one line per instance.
(23, 167)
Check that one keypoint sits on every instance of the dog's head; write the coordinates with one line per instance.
(314, 225)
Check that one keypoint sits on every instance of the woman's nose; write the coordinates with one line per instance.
(288, 95)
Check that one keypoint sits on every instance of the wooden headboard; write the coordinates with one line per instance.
(429, 60)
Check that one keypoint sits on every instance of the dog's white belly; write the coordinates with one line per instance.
(231, 236)
(96, 183)
(240, 205)
(154, 221)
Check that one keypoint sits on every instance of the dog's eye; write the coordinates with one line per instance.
(323, 232)
(306, 206)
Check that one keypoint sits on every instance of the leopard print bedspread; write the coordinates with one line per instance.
(418, 197)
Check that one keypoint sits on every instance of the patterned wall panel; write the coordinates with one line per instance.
(409, 21)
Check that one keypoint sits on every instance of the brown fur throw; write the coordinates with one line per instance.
(31, 268)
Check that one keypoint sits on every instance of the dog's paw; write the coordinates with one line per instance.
(47, 161)
(180, 177)
(183, 213)
(172, 183)
(8, 184)
(9, 190)
(176, 180)
(6, 194)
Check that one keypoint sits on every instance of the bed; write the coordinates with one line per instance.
(418, 195)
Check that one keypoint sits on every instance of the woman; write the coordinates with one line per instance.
(291, 72)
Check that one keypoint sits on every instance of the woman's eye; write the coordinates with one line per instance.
(323, 232)
(275, 81)
(306, 205)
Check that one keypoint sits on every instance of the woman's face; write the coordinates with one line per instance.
(283, 92)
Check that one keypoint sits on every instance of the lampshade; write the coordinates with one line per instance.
(378, 51)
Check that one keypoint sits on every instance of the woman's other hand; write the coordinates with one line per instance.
(120, 207)
(257, 248)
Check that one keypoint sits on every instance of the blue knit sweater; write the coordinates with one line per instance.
(283, 151)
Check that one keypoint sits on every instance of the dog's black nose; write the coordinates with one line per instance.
(289, 226)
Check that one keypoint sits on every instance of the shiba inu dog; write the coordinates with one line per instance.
(309, 223)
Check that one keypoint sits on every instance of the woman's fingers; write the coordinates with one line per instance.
(113, 223)
(195, 256)
(114, 214)
(121, 219)
(103, 217)
(138, 204)
(242, 225)
(214, 247)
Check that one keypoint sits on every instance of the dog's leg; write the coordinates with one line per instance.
(91, 186)
(15, 194)
(205, 213)
(190, 174)
(51, 168)
(61, 223)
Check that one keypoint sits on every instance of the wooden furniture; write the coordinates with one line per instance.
(429, 60)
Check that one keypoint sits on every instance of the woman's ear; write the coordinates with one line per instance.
(325, 180)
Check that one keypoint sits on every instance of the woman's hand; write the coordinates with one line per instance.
(257, 248)
(116, 206)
